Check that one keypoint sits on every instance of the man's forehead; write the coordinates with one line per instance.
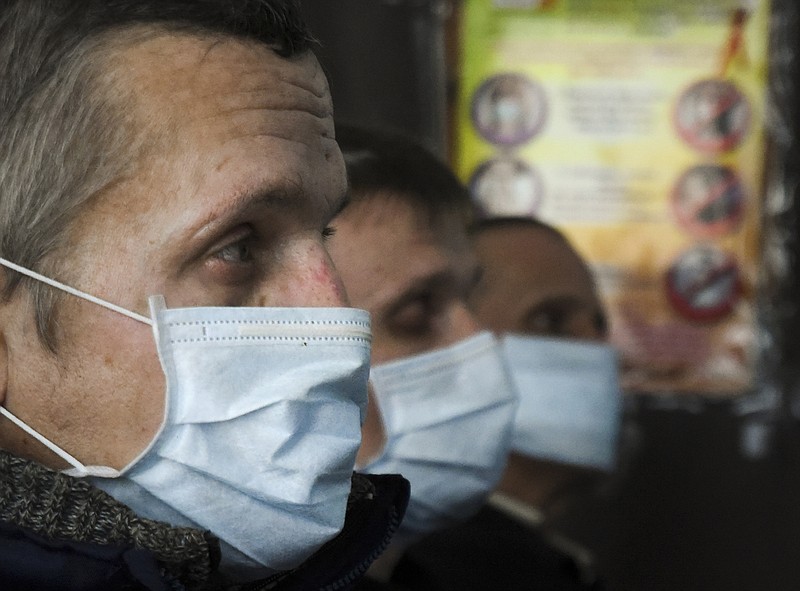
(224, 72)
(437, 251)
(532, 260)
(229, 126)
(515, 244)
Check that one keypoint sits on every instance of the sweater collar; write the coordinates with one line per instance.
(61, 507)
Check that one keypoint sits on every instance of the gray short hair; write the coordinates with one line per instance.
(67, 131)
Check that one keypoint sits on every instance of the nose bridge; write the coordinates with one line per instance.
(463, 322)
(584, 327)
(306, 277)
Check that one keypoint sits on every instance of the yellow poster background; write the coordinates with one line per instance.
(636, 127)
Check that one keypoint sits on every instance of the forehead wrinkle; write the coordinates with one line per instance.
(188, 101)
(256, 109)
(288, 107)
(283, 124)
(259, 133)
(316, 84)
(268, 112)
(240, 87)
(295, 82)
(261, 96)
(333, 197)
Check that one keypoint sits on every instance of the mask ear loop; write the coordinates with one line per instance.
(42, 439)
(75, 292)
(78, 468)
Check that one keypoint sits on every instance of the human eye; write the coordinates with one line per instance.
(416, 316)
(239, 252)
(232, 260)
(548, 320)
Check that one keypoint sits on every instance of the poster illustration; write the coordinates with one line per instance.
(635, 127)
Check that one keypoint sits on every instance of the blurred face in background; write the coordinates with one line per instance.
(413, 273)
(534, 283)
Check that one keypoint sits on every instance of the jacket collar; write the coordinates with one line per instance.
(60, 507)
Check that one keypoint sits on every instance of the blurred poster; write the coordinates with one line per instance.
(637, 128)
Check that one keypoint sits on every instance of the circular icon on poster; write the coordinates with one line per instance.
(712, 115)
(703, 284)
(509, 109)
(506, 187)
(709, 200)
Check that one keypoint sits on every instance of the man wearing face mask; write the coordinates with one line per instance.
(442, 406)
(182, 384)
(538, 295)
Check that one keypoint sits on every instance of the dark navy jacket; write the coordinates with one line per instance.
(31, 562)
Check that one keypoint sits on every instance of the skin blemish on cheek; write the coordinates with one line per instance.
(222, 164)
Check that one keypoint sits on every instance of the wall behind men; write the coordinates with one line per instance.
(709, 501)
(385, 63)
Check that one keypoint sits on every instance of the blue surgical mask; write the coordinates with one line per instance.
(570, 402)
(261, 426)
(448, 416)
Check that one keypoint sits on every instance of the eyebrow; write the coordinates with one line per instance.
(562, 301)
(439, 277)
(411, 290)
(568, 304)
(248, 201)
(244, 203)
